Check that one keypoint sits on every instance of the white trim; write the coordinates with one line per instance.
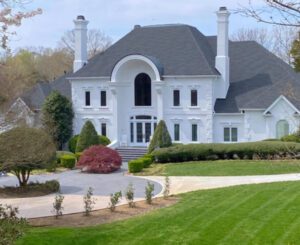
(134, 57)
(191, 76)
(277, 100)
(229, 114)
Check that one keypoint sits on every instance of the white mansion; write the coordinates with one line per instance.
(206, 88)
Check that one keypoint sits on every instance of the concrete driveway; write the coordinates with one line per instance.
(74, 185)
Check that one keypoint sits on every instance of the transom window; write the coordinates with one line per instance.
(142, 90)
(230, 134)
(176, 97)
(282, 128)
(194, 97)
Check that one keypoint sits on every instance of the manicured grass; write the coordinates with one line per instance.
(224, 168)
(253, 214)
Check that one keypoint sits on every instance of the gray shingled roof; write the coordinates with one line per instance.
(179, 49)
(257, 78)
(35, 97)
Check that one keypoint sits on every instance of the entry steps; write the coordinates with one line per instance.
(131, 153)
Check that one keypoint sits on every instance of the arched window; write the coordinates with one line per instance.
(142, 90)
(282, 128)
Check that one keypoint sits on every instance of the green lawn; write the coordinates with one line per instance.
(252, 214)
(224, 168)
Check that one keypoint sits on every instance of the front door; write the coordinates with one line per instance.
(141, 131)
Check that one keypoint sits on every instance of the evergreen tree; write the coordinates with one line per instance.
(57, 118)
(295, 53)
(87, 137)
(161, 137)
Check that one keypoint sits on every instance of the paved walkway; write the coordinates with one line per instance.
(74, 185)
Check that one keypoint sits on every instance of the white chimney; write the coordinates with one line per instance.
(222, 58)
(80, 43)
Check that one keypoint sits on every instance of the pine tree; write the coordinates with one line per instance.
(161, 137)
(87, 137)
(295, 53)
(57, 118)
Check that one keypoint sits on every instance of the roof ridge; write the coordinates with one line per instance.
(198, 47)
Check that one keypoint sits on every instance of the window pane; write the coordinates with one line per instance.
(176, 132)
(131, 133)
(194, 132)
(142, 90)
(147, 132)
(234, 134)
(139, 132)
(87, 98)
(194, 98)
(226, 134)
(103, 129)
(103, 98)
(176, 97)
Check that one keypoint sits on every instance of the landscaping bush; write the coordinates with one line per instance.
(72, 143)
(78, 155)
(103, 140)
(135, 166)
(146, 161)
(99, 159)
(161, 137)
(68, 161)
(87, 137)
(291, 138)
(59, 155)
(252, 150)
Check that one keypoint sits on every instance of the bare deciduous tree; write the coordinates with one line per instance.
(276, 12)
(12, 16)
(278, 40)
(97, 42)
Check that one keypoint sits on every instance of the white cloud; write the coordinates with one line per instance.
(117, 17)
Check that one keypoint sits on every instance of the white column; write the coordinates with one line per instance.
(158, 85)
(115, 131)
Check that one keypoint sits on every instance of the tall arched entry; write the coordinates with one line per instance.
(141, 129)
(142, 90)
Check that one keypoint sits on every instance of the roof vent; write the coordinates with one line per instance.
(80, 17)
(136, 26)
(223, 8)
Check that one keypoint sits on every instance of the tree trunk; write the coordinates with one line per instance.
(23, 177)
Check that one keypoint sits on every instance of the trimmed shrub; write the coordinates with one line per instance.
(73, 143)
(78, 155)
(149, 156)
(135, 166)
(87, 137)
(291, 138)
(146, 161)
(103, 140)
(59, 155)
(99, 159)
(68, 161)
(161, 137)
(252, 150)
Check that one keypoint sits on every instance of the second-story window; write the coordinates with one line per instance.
(103, 98)
(87, 98)
(194, 97)
(176, 97)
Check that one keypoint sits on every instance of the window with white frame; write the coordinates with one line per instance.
(103, 102)
(87, 98)
(230, 134)
(176, 97)
(194, 97)
(194, 132)
(176, 132)
(103, 129)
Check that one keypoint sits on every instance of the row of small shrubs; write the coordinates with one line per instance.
(252, 150)
(137, 165)
(291, 138)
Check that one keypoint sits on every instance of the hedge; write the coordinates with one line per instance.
(59, 154)
(68, 161)
(78, 155)
(135, 166)
(103, 140)
(253, 150)
(146, 161)
(291, 138)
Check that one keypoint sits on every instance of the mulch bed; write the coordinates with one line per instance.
(103, 216)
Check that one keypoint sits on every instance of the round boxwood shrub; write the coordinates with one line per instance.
(72, 143)
(59, 154)
(99, 159)
(146, 161)
(135, 166)
(103, 140)
(68, 161)
(87, 137)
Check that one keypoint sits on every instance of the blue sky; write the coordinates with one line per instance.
(117, 17)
